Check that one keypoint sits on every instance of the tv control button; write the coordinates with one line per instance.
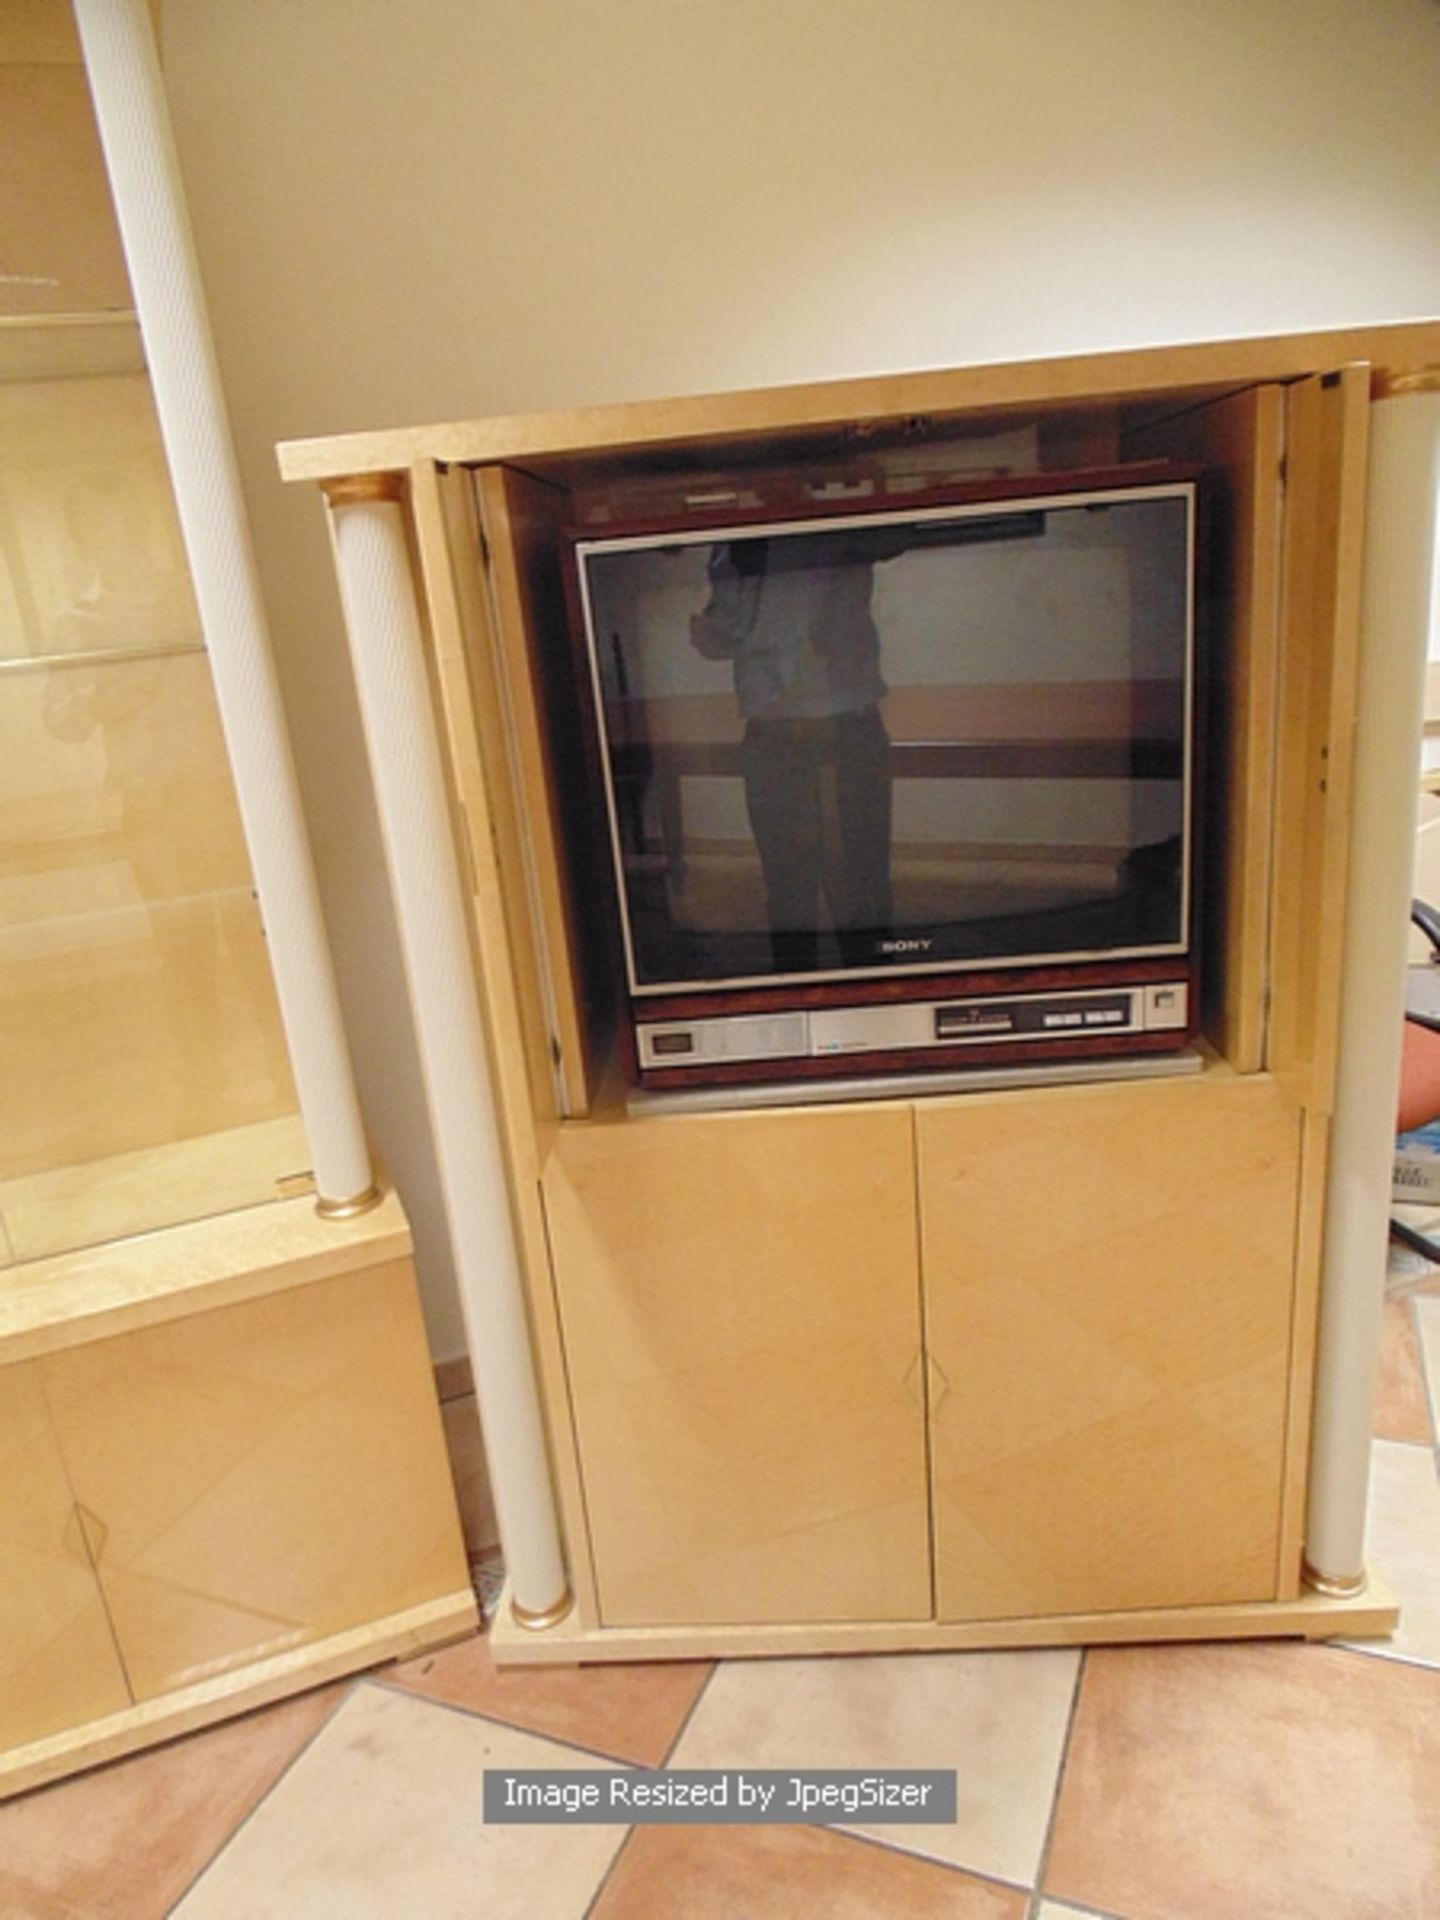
(668, 1043)
(1166, 1007)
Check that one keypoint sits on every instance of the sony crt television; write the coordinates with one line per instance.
(894, 783)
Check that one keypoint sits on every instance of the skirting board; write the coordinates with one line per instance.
(1370, 1614)
(257, 1684)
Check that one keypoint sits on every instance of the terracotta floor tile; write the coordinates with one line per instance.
(381, 1819)
(454, 1378)
(1251, 1783)
(777, 1873)
(998, 1719)
(461, 1421)
(124, 1842)
(631, 1713)
(1402, 1406)
(1402, 1544)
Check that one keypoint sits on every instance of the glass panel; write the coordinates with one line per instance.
(957, 736)
(145, 1077)
(91, 559)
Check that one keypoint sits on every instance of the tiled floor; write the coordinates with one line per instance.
(1243, 1782)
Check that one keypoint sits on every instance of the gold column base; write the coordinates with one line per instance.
(348, 1209)
(1336, 1589)
(546, 1617)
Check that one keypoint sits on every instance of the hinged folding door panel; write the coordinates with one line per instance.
(1108, 1283)
(58, 1664)
(539, 692)
(1240, 442)
(740, 1303)
(1327, 435)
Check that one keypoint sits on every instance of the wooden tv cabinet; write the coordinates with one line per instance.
(935, 1369)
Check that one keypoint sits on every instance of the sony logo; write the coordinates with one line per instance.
(906, 946)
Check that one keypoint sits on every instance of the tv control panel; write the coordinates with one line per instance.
(915, 1025)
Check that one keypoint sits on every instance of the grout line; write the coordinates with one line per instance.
(1078, 1906)
(280, 1777)
(926, 1859)
(493, 1719)
(684, 1727)
(1377, 1652)
(680, 1732)
(605, 1877)
(1043, 1863)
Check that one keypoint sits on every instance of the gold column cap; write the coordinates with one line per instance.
(351, 489)
(1385, 385)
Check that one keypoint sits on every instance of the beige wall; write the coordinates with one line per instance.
(448, 207)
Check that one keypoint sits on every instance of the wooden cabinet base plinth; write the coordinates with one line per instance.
(396, 1637)
(1363, 1616)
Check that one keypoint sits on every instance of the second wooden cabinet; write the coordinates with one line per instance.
(195, 1510)
(257, 1477)
(1087, 1290)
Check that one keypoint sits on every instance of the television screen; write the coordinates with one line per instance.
(851, 745)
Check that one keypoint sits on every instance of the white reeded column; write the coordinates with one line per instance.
(1397, 608)
(130, 105)
(386, 639)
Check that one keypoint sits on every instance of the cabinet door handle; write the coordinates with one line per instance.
(93, 1531)
(913, 1380)
(939, 1384)
(923, 1372)
(73, 1538)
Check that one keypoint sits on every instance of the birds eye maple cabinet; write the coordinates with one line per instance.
(960, 1363)
(222, 1479)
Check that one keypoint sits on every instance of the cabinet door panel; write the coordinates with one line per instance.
(1108, 1278)
(58, 1664)
(740, 1303)
(260, 1476)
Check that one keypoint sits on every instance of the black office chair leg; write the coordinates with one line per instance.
(1419, 1242)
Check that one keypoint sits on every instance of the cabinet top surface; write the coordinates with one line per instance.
(1140, 374)
(93, 1292)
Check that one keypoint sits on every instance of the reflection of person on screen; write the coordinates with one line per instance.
(794, 618)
